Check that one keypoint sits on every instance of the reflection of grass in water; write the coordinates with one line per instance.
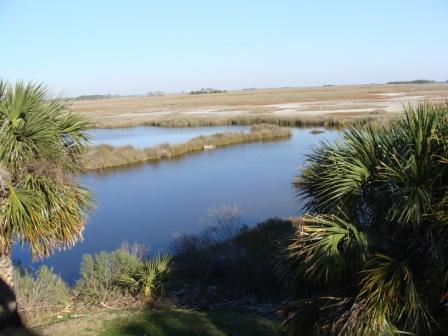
(105, 156)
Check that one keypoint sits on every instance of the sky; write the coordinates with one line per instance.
(132, 47)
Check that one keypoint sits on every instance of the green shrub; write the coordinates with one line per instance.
(148, 280)
(40, 293)
(101, 274)
(242, 264)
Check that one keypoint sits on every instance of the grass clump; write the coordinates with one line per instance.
(105, 156)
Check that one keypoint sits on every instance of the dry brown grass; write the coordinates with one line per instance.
(334, 120)
(291, 106)
(105, 156)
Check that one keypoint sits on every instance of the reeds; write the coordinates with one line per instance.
(105, 156)
(327, 121)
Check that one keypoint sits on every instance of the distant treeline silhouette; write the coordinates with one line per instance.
(208, 90)
(416, 81)
(93, 97)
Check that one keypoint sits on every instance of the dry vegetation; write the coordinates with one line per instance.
(317, 106)
(105, 156)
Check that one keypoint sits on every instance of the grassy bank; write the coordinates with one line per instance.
(105, 156)
(166, 321)
(328, 121)
(174, 322)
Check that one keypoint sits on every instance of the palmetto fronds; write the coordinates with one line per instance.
(375, 250)
(149, 279)
(327, 251)
(40, 143)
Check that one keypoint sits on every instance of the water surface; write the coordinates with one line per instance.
(150, 203)
(143, 136)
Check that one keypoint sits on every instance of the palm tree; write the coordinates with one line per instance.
(41, 205)
(371, 257)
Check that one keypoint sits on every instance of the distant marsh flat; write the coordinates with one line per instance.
(309, 105)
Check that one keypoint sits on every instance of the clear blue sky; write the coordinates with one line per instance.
(131, 47)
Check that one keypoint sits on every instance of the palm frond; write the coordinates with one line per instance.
(389, 291)
(39, 202)
(149, 279)
(392, 184)
(326, 250)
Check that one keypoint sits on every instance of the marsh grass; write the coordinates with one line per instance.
(105, 156)
(327, 121)
(310, 106)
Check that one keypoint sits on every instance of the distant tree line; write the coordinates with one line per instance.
(93, 97)
(155, 93)
(206, 91)
(416, 81)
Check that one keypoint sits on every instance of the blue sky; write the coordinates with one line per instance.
(131, 47)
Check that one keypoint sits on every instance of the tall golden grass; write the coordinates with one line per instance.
(105, 156)
(327, 121)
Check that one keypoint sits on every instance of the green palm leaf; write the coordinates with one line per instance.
(41, 204)
(390, 186)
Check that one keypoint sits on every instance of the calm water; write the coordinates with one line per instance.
(141, 137)
(150, 203)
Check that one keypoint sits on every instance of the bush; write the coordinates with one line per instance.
(101, 276)
(259, 249)
(222, 223)
(148, 280)
(40, 293)
(241, 263)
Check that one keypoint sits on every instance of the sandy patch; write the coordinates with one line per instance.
(391, 94)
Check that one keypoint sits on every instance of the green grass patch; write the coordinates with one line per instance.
(174, 322)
